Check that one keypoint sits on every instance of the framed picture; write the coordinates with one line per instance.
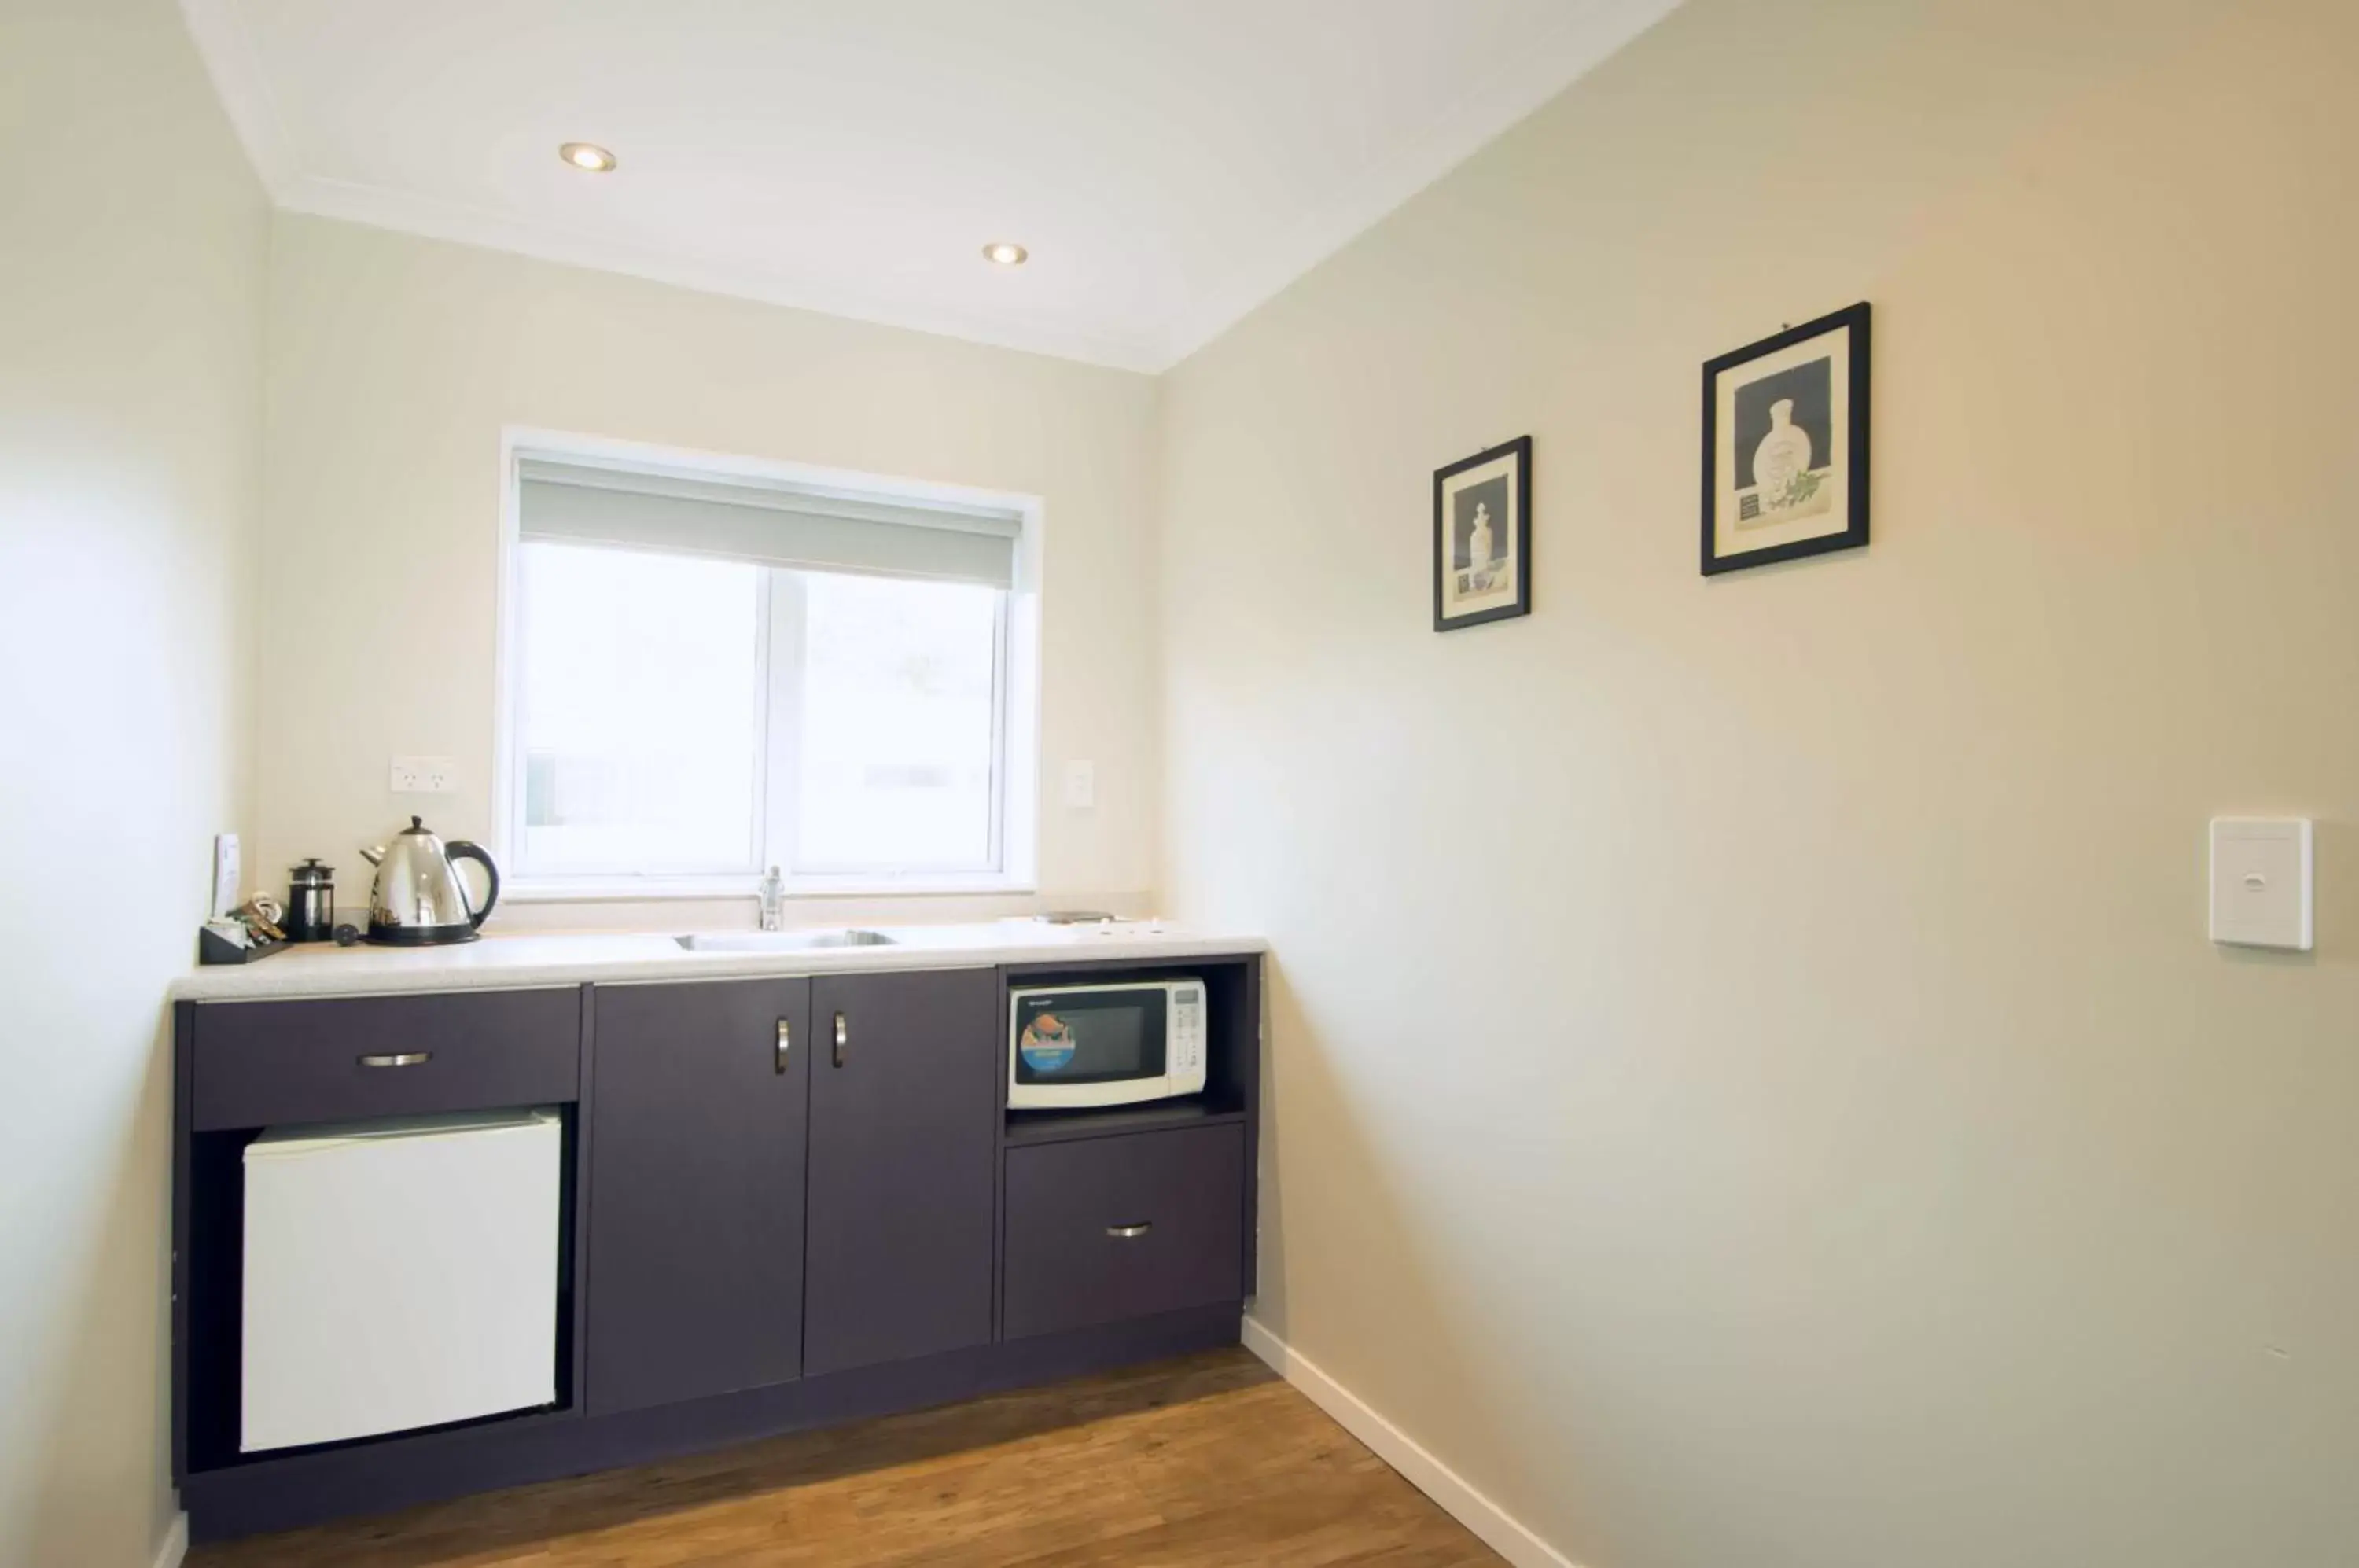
(1785, 445)
(1482, 537)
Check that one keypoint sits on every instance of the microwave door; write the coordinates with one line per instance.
(1092, 1042)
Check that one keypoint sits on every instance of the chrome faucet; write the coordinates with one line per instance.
(774, 900)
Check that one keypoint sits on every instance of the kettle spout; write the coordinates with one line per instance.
(373, 856)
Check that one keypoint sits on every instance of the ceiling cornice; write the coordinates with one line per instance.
(1535, 73)
(1587, 35)
(236, 72)
(433, 218)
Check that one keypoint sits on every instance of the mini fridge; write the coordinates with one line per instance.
(399, 1274)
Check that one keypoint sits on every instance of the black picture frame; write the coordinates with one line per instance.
(1519, 453)
(1852, 324)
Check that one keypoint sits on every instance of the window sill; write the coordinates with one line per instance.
(654, 889)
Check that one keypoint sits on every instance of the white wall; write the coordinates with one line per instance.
(395, 364)
(1751, 1084)
(132, 247)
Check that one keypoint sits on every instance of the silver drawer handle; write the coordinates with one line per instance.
(397, 1059)
(786, 1045)
(1128, 1232)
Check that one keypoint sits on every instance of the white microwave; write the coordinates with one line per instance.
(1104, 1045)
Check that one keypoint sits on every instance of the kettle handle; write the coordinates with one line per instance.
(460, 849)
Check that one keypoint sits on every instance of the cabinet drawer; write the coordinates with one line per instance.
(349, 1059)
(1123, 1227)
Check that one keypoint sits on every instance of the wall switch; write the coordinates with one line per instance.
(2261, 881)
(227, 871)
(424, 775)
(1080, 784)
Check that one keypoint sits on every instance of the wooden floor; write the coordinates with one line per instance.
(1210, 1459)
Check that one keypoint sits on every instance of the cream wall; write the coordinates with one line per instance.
(132, 247)
(1751, 1083)
(394, 362)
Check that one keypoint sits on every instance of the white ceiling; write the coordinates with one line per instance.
(1171, 163)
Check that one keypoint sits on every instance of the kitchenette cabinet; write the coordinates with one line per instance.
(903, 1136)
(789, 1200)
(695, 1199)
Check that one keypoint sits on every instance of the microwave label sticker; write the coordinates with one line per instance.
(1046, 1044)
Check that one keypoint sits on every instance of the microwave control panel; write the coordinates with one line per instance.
(1188, 1032)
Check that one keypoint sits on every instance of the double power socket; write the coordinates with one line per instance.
(424, 775)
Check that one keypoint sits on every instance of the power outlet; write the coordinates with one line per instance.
(1081, 786)
(424, 775)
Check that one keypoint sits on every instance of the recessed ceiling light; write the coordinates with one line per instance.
(587, 156)
(1000, 253)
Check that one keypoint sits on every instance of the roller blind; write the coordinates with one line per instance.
(809, 530)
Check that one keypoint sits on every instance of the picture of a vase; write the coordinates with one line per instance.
(1478, 539)
(1785, 430)
(1784, 452)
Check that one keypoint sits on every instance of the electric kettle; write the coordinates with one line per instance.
(419, 900)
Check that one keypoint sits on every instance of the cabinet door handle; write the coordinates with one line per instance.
(843, 1037)
(786, 1044)
(1129, 1232)
(395, 1059)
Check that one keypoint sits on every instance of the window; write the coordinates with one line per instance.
(639, 711)
(707, 678)
(898, 686)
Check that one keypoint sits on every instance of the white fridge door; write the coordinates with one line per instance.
(399, 1275)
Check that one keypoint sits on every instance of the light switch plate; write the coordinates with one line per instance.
(1080, 784)
(2261, 882)
(424, 775)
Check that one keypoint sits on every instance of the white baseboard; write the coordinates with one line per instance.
(1499, 1530)
(175, 1544)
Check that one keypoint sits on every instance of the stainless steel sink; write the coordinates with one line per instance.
(780, 941)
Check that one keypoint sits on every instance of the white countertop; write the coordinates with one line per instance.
(323, 969)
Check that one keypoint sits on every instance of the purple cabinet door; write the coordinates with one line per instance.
(695, 1204)
(1122, 1227)
(903, 1129)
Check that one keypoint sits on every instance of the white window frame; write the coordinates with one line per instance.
(1016, 770)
